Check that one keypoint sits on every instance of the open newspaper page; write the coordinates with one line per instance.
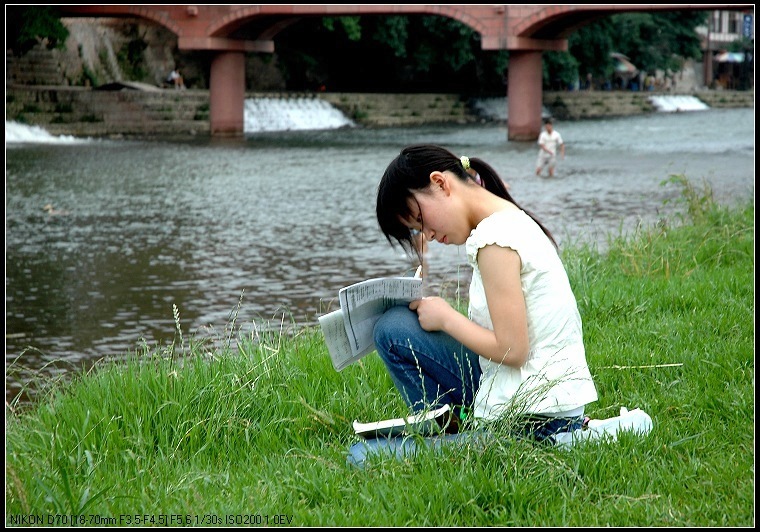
(336, 339)
(361, 305)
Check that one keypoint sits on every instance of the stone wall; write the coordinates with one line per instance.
(725, 98)
(83, 111)
(80, 111)
(578, 105)
(98, 52)
(381, 110)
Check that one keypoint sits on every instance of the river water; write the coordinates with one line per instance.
(246, 234)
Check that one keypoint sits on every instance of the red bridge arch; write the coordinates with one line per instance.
(232, 30)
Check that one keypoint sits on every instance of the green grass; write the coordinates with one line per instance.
(254, 429)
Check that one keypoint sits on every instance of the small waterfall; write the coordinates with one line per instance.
(677, 103)
(286, 114)
(17, 133)
(496, 108)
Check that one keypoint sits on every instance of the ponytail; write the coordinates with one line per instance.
(491, 181)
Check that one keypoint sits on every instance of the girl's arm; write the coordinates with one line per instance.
(508, 342)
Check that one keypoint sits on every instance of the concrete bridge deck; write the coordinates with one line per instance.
(229, 31)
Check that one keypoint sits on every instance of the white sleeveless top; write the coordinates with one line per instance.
(556, 379)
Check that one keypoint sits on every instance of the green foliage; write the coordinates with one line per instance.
(698, 203)
(659, 40)
(453, 41)
(651, 40)
(89, 77)
(560, 69)
(591, 46)
(416, 53)
(28, 25)
(393, 32)
(351, 26)
(394, 53)
(131, 57)
(744, 44)
(411, 53)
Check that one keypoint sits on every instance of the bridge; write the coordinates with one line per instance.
(230, 31)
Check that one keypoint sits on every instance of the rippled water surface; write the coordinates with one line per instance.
(284, 220)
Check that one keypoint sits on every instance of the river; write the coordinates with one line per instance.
(240, 235)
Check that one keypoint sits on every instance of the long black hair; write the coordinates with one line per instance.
(410, 171)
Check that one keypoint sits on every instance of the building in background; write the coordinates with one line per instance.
(725, 66)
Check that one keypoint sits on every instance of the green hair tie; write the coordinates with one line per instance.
(465, 162)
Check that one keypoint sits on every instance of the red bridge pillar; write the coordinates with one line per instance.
(227, 94)
(524, 95)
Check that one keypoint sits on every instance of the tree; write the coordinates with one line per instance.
(434, 53)
(30, 25)
(651, 40)
(659, 40)
(389, 54)
(415, 53)
(591, 47)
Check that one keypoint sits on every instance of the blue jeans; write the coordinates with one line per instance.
(429, 369)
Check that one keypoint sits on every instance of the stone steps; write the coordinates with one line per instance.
(37, 67)
(85, 112)
(382, 110)
(141, 129)
(579, 105)
(79, 111)
(724, 98)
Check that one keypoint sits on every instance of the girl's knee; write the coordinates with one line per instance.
(396, 322)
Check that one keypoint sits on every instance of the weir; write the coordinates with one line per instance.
(498, 109)
(290, 114)
(260, 115)
(264, 114)
(16, 133)
(677, 103)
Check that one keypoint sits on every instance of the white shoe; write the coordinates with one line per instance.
(636, 421)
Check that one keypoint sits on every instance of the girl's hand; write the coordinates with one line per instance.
(432, 312)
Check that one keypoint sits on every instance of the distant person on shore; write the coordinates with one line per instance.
(649, 82)
(589, 82)
(549, 141)
(175, 79)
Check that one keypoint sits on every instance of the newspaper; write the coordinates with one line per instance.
(348, 331)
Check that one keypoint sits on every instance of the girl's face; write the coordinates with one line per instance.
(433, 212)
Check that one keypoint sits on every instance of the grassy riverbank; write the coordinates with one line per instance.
(254, 431)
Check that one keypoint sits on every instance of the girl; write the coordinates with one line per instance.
(521, 349)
